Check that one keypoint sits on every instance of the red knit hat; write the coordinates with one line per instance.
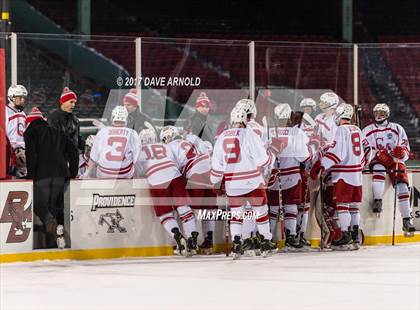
(131, 98)
(202, 100)
(67, 95)
(34, 115)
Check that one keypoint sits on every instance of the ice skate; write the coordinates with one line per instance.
(257, 243)
(355, 238)
(377, 207)
(408, 227)
(180, 241)
(292, 243)
(207, 246)
(192, 243)
(236, 247)
(306, 245)
(266, 248)
(344, 243)
(248, 247)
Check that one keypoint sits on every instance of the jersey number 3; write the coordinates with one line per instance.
(118, 145)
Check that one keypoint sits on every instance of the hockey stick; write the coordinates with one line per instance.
(395, 203)
(227, 226)
(321, 244)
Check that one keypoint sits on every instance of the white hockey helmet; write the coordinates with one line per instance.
(119, 114)
(238, 115)
(282, 111)
(89, 140)
(147, 136)
(381, 107)
(343, 111)
(16, 91)
(168, 133)
(308, 102)
(249, 106)
(328, 100)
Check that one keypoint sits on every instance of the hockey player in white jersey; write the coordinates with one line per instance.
(85, 156)
(392, 150)
(15, 127)
(308, 106)
(290, 147)
(345, 160)
(249, 226)
(238, 158)
(195, 167)
(168, 190)
(328, 102)
(115, 149)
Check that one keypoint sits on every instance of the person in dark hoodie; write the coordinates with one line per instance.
(136, 119)
(51, 159)
(64, 120)
(198, 125)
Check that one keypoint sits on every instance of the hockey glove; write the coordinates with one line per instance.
(398, 152)
(316, 170)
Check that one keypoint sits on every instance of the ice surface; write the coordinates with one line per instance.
(373, 278)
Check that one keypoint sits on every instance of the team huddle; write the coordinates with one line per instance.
(270, 169)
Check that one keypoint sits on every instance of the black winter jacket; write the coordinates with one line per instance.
(68, 123)
(49, 152)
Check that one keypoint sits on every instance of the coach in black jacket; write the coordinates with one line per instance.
(51, 159)
(198, 124)
(136, 119)
(64, 120)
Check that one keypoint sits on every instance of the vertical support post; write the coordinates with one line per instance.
(356, 83)
(138, 70)
(13, 56)
(252, 70)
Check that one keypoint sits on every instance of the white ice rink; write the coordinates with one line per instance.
(372, 278)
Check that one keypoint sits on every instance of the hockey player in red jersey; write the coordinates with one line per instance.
(15, 127)
(194, 164)
(168, 190)
(392, 150)
(290, 147)
(115, 149)
(238, 158)
(345, 160)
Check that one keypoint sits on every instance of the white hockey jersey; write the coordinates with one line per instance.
(189, 160)
(290, 145)
(157, 163)
(15, 127)
(345, 157)
(387, 137)
(199, 144)
(239, 157)
(115, 150)
(257, 128)
(326, 127)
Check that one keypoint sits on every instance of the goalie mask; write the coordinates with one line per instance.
(119, 114)
(328, 101)
(147, 136)
(16, 95)
(381, 112)
(343, 111)
(249, 106)
(168, 134)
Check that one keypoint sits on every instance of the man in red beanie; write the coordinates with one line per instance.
(136, 120)
(64, 120)
(198, 125)
(51, 159)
